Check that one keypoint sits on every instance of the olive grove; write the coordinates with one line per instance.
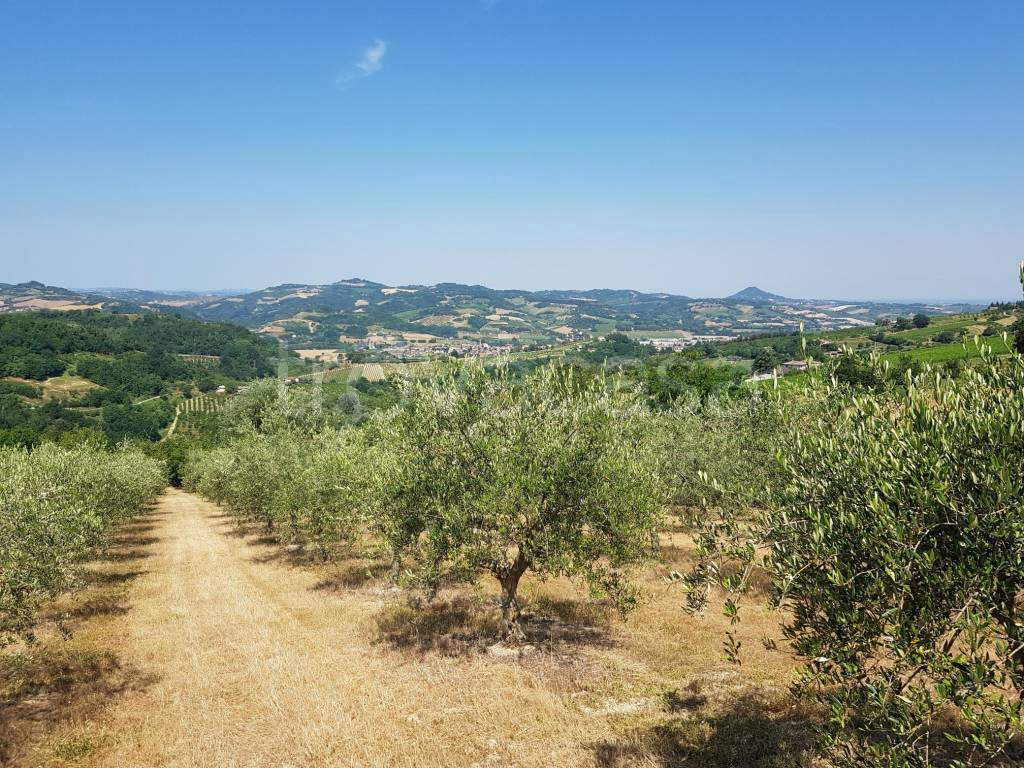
(58, 506)
(895, 546)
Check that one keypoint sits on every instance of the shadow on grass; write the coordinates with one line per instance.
(554, 621)
(355, 574)
(140, 528)
(107, 603)
(256, 534)
(457, 626)
(134, 540)
(122, 555)
(42, 687)
(462, 625)
(293, 555)
(755, 729)
(236, 528)
(221, 516)
(68, 612)
(591, 613)
(280, 546)
(110, 579)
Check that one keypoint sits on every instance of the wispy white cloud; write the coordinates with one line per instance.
(373, 58)
(369, 63)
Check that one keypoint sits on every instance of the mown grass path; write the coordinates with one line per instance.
(254, 663)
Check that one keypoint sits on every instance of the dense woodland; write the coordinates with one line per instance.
(70, 375)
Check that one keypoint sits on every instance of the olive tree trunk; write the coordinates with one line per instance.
(508, 576)
(396, 565)
(1007, 614)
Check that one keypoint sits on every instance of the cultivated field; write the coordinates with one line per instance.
(373, 372)
(210, 403)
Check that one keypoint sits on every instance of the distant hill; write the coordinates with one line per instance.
(358, 311)
(755, 294)
(36, 295)
(163, 298)
(349, 311)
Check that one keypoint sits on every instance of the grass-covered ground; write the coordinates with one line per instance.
(198, 642)
(965, 350)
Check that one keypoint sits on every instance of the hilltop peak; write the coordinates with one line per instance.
(753, 293)
(359, 282)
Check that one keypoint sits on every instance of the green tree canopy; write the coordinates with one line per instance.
(766, 361)
(896, 545)
(556, 472)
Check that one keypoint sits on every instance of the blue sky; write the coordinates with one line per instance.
(840, 149)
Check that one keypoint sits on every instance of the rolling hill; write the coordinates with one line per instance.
(36, 295)
(357, 312)
(350, 311)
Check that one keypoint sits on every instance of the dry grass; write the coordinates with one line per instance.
(66, 387)
(75, 668)
(63, 387)
(254, 660)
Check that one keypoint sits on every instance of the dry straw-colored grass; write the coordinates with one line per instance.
(234, 652)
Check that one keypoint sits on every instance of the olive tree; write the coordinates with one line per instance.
(285, 465)
(305, 486)
(896, 548)
(57, 507)
(721, 450)
(268, 406)
(321, 496)
(400, 485)
(556, 472)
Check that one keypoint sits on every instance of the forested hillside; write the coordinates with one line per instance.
(68, 374)
(349, 311)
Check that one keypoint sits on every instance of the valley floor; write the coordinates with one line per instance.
(228, 654)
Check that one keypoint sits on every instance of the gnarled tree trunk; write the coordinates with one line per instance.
(1007, 614)
(508, 576)
(396, 565)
